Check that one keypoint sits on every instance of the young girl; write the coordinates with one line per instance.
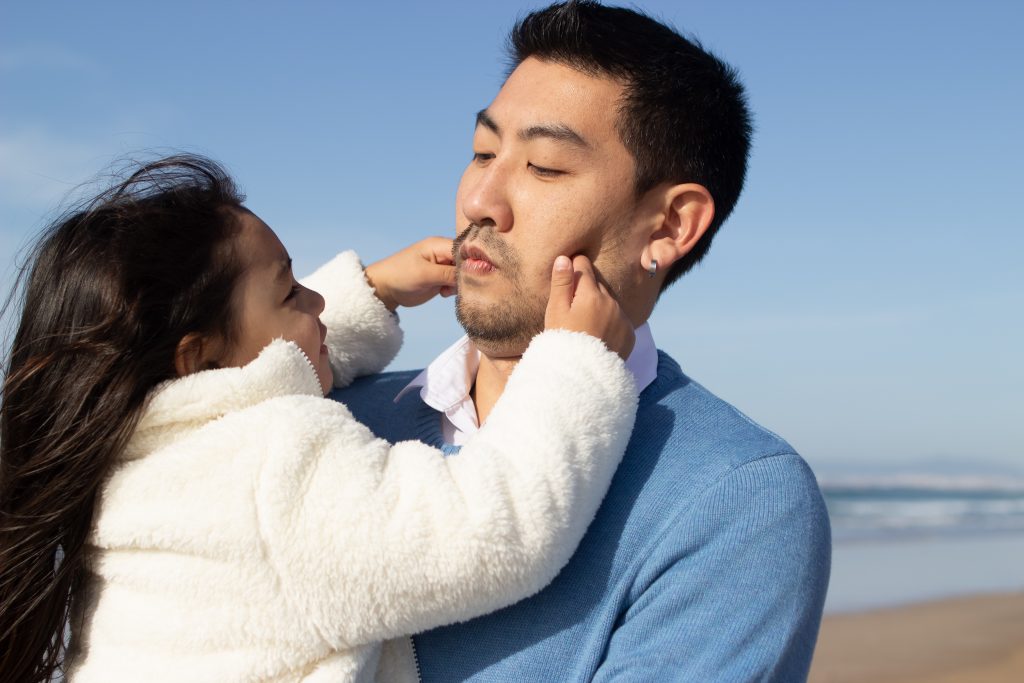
(174, 482)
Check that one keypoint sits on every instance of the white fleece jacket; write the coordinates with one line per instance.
(254, 531)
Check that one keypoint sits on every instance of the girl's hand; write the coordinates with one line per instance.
(414, 275)
(580, 303)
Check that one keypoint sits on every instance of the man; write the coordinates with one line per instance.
(616, 138)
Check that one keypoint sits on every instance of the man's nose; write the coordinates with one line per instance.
(485, 198)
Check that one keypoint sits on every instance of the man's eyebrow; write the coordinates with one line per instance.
(555, 131)
(484, 119)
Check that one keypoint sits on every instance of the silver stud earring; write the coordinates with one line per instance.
(652, 269)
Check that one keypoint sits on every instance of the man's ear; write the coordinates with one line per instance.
(686, 215)
(194, 353)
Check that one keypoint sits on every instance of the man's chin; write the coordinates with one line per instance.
(499, 330)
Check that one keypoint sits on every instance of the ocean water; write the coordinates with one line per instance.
(904, 539)
(902, 508)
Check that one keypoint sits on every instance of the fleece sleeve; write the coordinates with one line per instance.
(373, 541)
(734, 590)
(363, 336)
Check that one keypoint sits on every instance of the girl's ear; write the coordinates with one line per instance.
(194, 353)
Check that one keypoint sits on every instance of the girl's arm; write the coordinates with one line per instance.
(363, 335)
(373, 540)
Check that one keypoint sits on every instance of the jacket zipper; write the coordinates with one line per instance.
(316, 374)
(415, 659)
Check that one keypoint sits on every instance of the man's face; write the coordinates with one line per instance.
(549, 176)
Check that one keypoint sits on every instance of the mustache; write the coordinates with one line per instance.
(460, 239)
(499, 251)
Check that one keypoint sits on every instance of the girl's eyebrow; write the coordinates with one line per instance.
(285, 269)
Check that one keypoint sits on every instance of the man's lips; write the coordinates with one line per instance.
(475, 260)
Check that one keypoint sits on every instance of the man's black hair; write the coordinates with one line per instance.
(683, 116)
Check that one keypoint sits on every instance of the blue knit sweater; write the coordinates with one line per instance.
(707, 561)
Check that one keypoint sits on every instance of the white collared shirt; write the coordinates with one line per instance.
(445, 384)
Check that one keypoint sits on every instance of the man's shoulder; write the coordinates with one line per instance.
(372, 401)
(700, 445)
(702, 421)
(699, 464)
(377, 387)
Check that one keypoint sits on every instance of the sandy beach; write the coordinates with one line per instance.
(962, 640)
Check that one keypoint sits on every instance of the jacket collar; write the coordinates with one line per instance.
(185, 403)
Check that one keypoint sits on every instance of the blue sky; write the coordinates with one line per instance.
(864, 300)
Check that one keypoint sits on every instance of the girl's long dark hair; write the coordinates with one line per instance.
(109, 291)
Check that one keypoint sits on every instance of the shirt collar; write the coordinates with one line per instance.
(447, 380)
(445, 384)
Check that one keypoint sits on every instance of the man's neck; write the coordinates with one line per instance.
(493, 372)
(491, 377)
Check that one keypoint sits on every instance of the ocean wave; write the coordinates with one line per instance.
(898, 508)
(924, 482)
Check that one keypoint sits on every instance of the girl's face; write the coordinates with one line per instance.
(270, 304)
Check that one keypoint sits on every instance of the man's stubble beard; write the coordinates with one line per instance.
(506, 328)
